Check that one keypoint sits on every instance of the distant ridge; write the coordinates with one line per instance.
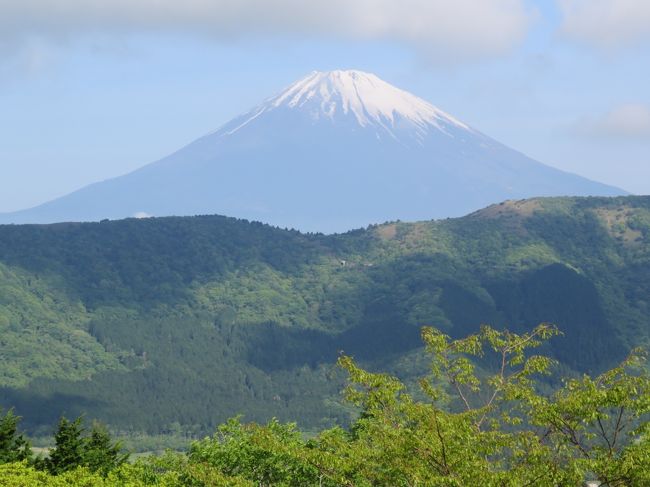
(334, 151)
(125, 320)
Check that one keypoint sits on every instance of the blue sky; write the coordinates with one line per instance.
(94, 89)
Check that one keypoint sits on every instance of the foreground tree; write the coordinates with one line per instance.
(100, 454)
(480, 428)
(479, 419)
(72, 449)
(68, 450)
(13, 446)
(476, 427)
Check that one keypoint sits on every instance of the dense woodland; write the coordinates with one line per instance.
(174, 325)
(468, 428)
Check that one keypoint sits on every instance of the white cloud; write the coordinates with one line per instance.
(440, 27)
(606, 23)
(142, 214)
(630, 121)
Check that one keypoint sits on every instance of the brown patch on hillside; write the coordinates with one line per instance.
(510, 208)
(387, 232)
(413, 235)
(616, 221)
(511, 214)
(417, 232)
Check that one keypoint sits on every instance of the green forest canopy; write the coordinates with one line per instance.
(125, 320)
(467, 429)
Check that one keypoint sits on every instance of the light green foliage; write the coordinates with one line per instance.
(43, 333)
(267, 455)
(502, 433)
(505, 432)
(22, 475)
(260, 295)
(177, 473)
(402, 441)
(486, 425)
(599, 424)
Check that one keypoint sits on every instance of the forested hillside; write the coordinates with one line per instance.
(169, 324)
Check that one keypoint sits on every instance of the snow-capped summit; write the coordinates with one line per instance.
(368, 98)
(372, 102)
(333, 151)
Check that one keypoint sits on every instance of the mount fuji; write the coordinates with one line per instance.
(334, 151)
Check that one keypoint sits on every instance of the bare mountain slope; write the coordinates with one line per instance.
(334, 151)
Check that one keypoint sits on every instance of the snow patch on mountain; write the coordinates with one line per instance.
(371, 101)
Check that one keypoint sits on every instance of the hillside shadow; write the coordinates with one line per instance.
(558, 294)
(41, 411)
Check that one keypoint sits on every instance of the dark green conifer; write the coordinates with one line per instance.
(100, 453)
(68, 452)
(13, 446)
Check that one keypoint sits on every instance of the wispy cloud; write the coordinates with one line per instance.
(442, 28)
(628, 121)
(606, 23)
